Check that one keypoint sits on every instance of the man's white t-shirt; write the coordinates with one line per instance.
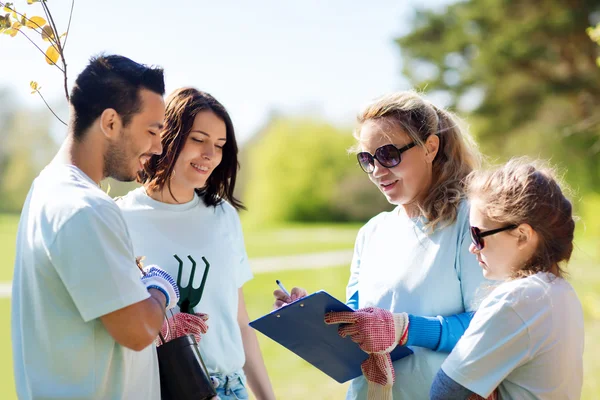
(160, 230)
(527, 338)
(74, 264)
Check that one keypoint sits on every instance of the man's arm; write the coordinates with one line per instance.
(137, 326)
(93, 256)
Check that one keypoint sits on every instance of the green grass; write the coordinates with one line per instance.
(298, 239)
(584, 275)
(7, 383)
(8, 234)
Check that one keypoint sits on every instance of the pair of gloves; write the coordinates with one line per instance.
(180, 324)
(377, 332)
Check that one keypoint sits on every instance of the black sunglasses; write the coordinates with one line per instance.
(388, 156)
(477, 235)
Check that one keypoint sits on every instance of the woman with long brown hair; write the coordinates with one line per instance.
(412, 279)
(186, 207)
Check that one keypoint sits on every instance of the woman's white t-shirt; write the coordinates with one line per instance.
(160, 230)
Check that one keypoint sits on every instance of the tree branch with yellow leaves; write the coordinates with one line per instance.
(45, 29)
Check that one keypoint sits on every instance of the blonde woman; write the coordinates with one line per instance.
(527, 337)
(412, 278)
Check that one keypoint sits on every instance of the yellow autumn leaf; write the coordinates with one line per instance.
(12, 32)
(35, 22)
(17, 25)
(8, 7)
(5, 21)
(33, 85)
(52, 55)
(47, 33)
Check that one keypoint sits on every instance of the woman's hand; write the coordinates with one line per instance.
(281, 299)
(375, 330)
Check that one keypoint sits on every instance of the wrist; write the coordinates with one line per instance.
(401, 328)
(159, 294)
(424, 332)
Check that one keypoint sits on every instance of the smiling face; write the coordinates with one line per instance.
(407, 183)
(201, 154)
(138, 141)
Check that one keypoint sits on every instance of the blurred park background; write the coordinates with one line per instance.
(524, 76)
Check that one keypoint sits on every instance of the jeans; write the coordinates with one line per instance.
(230, 387)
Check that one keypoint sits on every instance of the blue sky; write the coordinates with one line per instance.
(324, 58)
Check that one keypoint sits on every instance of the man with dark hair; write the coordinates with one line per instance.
(82, 320)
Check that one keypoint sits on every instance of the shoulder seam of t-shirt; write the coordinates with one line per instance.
(129, 196)
(453, 372)
(510, 306)
(76, 213)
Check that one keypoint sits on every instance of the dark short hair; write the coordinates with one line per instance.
(111, 81)
(182, 107)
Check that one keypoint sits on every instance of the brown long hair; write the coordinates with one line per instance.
(524, 191)
(457, 155)
(182, 107)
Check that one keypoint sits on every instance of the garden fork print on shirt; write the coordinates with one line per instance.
(190, 296)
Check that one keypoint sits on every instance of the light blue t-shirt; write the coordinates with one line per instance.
(399, 267)
(74, 264)
(526, 339)
(160, 230)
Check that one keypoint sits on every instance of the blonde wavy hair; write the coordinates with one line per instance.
(525, 191)
(457, 155)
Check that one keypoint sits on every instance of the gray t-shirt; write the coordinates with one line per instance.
(74, 264)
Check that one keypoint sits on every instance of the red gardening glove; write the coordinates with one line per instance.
(377, 332)
(380, 375)
(374, 329)
(182, 324)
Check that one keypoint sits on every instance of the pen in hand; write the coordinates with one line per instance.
(283, 297)
(283, 288)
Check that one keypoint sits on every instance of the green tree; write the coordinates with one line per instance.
(524, 71)
(299, 170)
(26, 148)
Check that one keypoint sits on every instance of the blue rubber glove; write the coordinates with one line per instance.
(157, 278)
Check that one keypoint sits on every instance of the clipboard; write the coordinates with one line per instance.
(300, 327)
